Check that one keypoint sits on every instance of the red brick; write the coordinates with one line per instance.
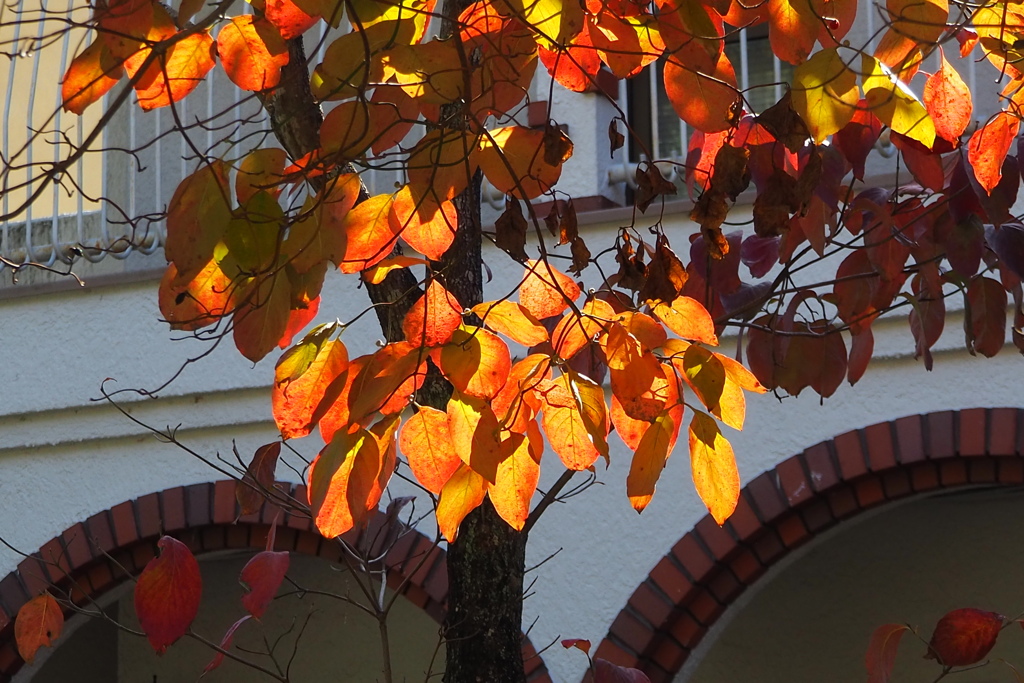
(909, 444)
(213, 538)
(686, 630)
(792, 531)
(881, 455)
(142, 553)
(817, 516)
(896, 484)
(237, 536)
(725, 587)
(422, 546)
(331, 551)
(401, 549)
(147, 510)
(10, 661)
(939, 431)
(76, 541)
(100, 579)
(436, 584)
(744, 521)
(416, 595)
(820, 467)
(33, 577)
(224, 504)
(1020, 433)
(650, 604)
(173, 504)
(307, 543)
(972, 431)
(766, 497)
(1011, 471)
(953, 472)
(869, 492)
(670, 655)
(615, 654)
(793, 481)
(850, 455)
(705, 608)
(768, 549)
(55, 560)
(981, 470)
(692, 557)
(654, 673)
(671, 580)
(1002, 431)
(198, 505)
(717, 539)
(100, 535)
(746, 567)
(125, 531)
(421, 569)
(285, 539)
(5, 621)
(631, 632)
(843, 503)
(924, 477)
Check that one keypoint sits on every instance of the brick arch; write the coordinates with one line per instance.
(782, 509)
(86, 556)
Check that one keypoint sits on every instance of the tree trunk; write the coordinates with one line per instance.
(483, 627)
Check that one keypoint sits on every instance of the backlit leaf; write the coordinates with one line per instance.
(554, 21)
(329, 481)
(705, 373)
(687, 318)
(476, 362)
(262, 319)
(894, 103)
(714, 467)
(261, 577)
(881, 654)
(427, 227)
(441, 164)
(964, 636)
(988, 147)
(793, 28)
(427, 444)
(288, 18)
(38, 624)
(517, 477)
(649, 460)
(462, 493)
(371, 231)
(196, 303)
(167, 594)
(90, 76)
(825, 93)
(225, 644)
(512, 320)
(197, 215)
(703, 100)
(252, 53)
(379, 272)
(948, 101)
(474, 431)
(546, 291)
(570, 436)
(521, 161)
(177, 73)
(296, 397)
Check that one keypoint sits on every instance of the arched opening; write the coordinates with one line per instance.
(804, 498)
(87, 560)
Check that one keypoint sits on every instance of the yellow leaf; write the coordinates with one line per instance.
(462, 494)
(554, 21)
(894, 103)
(649, 460)
(825, 93)
(714, 467)
(517, 478)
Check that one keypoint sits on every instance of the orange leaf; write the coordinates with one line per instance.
(793, 28)
(38, 624)
(703, 100)
(427, 444)
(642, 387)
(261, 577)
(261, 169)
(517, 477)
(706, 375)
(370, 232)
(513, 321)
(320, 236)
(689, 319)
(739, 374)
(442, 163)
(523, 162)
(175, 74)
(384, 431)
(384, 383)
(574, 332)
(575, 67)
(645, 329)
(167, 594)
(196, 303)
(881, 654)
(964, 636)
(433, 317)
(517, 403)
(259, 477)
(349, 129)
(948, 101)
(714, 467)
(462, 494)
(577, 440)
(474, 431)
(295, 396)
(198, 213)
(252, 53)
(379, 272)
(335, 480)
(988, 147)
(425, 226)
(90, 76)
(476, 362)
(287, 18)
(649, 460)
(546, 291)
(262, 319)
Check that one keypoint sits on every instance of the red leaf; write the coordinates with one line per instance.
(964, 636)
(252, 53)
(987, 325)
(862, 345)
(167, 594)
(881, 655)
(705, 101)
(225, 644)
(289, 20)
(261, 577)
(38, 624)
(371, 230)
(546, 291)
(262, 319)
(988, 147)
(425, 226)
(948, 101)
(606, 672)
(259, 476)
(576, 66)
(578, 643)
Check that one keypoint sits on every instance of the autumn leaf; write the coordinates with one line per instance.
(198, 213)
(252, 53)
(476, 362)
(433, 317)
(335, 480)
(90, 76)
(894, 103)
(546, 291)
(258, 477)
(704, 100)
(793, 28)
(988, 147)
(425, 225)
(516, 479)
(964, 636)
(462, 493)
(881, 654)
(370, 231)
(299, 386)
(261, 577)
(262, 319)
(167, 594)
(714, 467)
(197, 303)
(825, 93)
(648, 461)
(474, 431)
(287, 17)
(986, 325)
(606, 672)
(705, 372)
(948, 101)
(225, 644)
(512, 320)
(260, 171)
(427, 444)
(688, 318)
(38, 624)
(176, 73)
(573, 421)
(523, 162)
